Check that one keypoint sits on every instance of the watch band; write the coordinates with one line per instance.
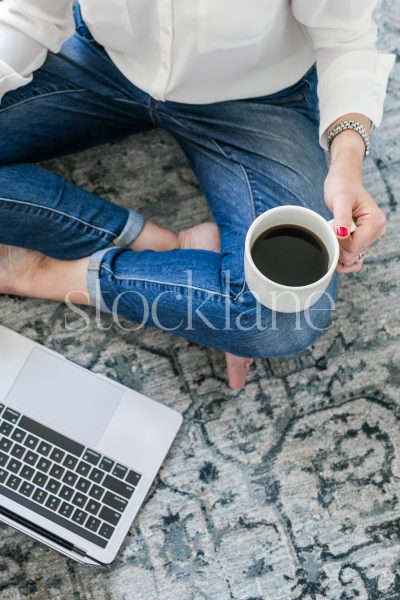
(353, 125)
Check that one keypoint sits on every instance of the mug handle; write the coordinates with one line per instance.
(353, 226)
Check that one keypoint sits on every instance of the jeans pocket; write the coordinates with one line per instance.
(299, 94)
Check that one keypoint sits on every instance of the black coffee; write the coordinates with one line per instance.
(290, 255)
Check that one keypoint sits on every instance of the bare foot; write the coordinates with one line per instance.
(237, 368)
(201, 237)
(33, 274)
(17, 269)
(206, 237)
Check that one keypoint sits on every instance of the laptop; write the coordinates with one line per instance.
(78, 451)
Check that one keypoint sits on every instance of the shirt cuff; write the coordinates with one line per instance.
(355, 82)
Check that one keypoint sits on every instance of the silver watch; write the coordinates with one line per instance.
(355, 126)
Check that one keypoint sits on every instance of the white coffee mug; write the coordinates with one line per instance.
(276, 296)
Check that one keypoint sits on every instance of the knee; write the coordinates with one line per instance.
(260, 333)
(24, 181)
(274, 341)
(11, 176)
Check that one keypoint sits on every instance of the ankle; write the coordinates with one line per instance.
(60, 280)
(27, 284)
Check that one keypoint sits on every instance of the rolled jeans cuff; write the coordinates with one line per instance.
(93, 279)
(131, 230)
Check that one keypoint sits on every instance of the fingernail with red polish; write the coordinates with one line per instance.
(342, 231)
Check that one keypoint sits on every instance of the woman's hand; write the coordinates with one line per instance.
(348, 200)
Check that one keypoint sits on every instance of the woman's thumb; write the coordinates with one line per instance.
(342, 216)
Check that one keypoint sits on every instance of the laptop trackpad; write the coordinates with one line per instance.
(64, 397)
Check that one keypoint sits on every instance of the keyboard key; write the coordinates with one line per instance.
(43, 464)
(14, 465)
(83, 485)
(66, 492)
(70, 477)
(3, 475)
(66, 510)
(119, 471)
(119, 487)
(51, 436)
(92, 537)
(27, 472)
(91, 457)
(40, 479)
(5, 444)
(106, 464)
(109, 515)
(70, 461)
(79, 500)
(96, 475)
(53, 486)
(44, 448)
(18, 435)
(133, 478)
(39, 496)
(92, 524)
(83, 468)
(31, 458)
(11, 415)
(53, 502)
(6, 428)
(3, 459)
(57, 471)
(106, 531)
(92, 506)
(115, 501)
(17, 451)
(96, 492)
(31, 442)
(79, 516)
(57, 455)
(1, 408)
(13, 482)
(26, 489)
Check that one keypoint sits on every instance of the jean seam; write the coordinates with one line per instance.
(59, 212)
(242, 168)
(37, 96)
(250, 189)
(128, 101)
(279, 183)
(166, 284)
(235, 298)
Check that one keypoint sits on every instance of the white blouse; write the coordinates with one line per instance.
(201, 51)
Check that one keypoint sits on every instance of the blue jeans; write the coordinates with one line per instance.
(248, 155)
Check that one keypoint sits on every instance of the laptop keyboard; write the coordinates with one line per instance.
(61, 479)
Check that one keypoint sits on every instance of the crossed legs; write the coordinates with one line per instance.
(244, 161)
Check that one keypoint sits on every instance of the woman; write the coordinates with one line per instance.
(236, 84)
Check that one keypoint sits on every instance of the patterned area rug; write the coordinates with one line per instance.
(287, 490)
